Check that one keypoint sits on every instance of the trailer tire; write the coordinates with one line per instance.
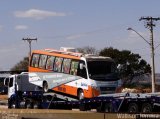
(45, 87)
(36, 105)
(11, 104)
(28, 104)
(105, 107)
(133, 108)
(82, 107)
(80, 94)
(109, 107)
(146, 108)
(99, 108)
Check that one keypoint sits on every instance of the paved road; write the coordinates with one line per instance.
(51, 114)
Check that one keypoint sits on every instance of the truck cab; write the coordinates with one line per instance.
(10, 83)
(20, 83)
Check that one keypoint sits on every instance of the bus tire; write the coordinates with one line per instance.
(80, 94)
(146, 108)
(45, 87)
(133, 108)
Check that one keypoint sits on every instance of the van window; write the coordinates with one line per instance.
(35, 59)
(58, 64)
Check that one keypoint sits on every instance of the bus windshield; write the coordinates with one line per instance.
(102, 70)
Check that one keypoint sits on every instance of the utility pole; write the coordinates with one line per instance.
(149, 24)
(29, 40)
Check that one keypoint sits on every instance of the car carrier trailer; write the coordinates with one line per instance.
(29, 96)
(123, 102)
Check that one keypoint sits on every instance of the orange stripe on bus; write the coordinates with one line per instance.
(33, 69)
(91, 92)
(55, 54)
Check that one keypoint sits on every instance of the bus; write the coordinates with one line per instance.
(71, 73)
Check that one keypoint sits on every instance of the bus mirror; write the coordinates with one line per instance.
(6, 81)
(81, 66)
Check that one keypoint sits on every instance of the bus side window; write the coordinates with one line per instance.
(74, 67)
(58, 64)
(50, 62)
(82, 72)
(42, 61)
(66, 65)
(35, 59)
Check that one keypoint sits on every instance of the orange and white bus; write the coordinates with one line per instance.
(71, 73)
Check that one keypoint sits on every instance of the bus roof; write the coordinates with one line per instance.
(71, 54)
(64, 52)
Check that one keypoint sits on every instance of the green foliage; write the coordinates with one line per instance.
(131, 64)
(22, 65)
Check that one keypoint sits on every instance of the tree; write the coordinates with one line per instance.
(131, 64)
(22, 65)
(87, 50)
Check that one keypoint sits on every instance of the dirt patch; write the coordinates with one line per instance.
(3, 97)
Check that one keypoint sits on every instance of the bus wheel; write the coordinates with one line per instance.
(80, 94)
(45, 87)
(146, 108)
(133, 108)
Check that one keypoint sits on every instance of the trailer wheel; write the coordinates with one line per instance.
(22, 104)
(11, 104)
(28, 104)
(133, 108)
(80, 94)
(82, 107)
(105, 107)
(109, 107)
(45, 87)
(146, 108)
(36, 105)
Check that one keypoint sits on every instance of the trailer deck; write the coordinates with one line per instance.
(120, 102)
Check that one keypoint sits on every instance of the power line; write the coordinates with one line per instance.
(29, 40)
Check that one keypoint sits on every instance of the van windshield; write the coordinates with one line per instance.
(102, 70)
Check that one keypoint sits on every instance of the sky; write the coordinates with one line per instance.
(76, 23)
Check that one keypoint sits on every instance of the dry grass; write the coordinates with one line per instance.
(3, 97)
